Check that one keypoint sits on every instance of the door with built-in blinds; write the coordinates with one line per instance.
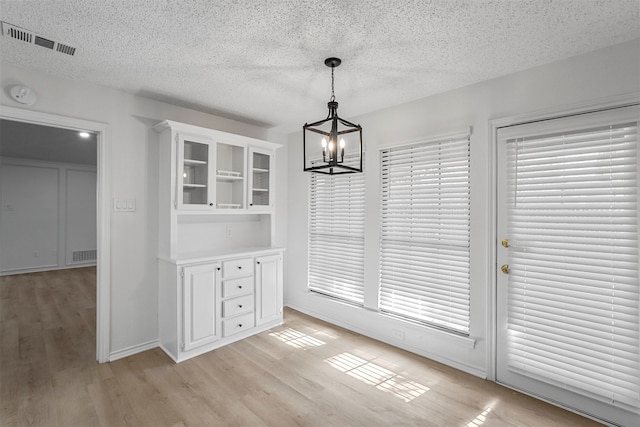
(567, 252)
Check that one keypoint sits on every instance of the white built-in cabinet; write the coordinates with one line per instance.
(220, 277)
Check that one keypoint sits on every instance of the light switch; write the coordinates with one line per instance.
(124, 205)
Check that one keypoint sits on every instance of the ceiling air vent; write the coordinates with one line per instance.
(18, 33)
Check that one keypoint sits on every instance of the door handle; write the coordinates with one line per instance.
(505, 268)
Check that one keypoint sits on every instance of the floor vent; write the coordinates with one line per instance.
(84, 256)
(18, 33)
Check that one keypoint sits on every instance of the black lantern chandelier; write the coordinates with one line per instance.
(332, 146)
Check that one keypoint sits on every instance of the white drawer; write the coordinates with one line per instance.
(237, 324)
(237, 305)
(234, 287)
(237, 268)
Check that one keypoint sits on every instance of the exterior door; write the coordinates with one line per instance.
(567, 252)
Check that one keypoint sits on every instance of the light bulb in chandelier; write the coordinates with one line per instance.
(324, 150)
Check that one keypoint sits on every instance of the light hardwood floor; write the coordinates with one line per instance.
(306, 373)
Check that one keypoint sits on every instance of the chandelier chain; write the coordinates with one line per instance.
(333, 96)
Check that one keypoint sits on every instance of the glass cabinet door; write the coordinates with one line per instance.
(260, 165)
(195, 165)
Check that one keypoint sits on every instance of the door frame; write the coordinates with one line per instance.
(103, 211)
(632, 98)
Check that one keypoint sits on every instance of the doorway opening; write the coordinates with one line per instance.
(102, 220)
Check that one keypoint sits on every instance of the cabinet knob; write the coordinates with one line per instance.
(239, 286)
(218, 268)
(239, 267)
(257, 262)
(210, 204)
(250, 204)
(239, 325)
(239, 305)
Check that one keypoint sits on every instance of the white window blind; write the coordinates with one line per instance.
(336, 236)
(425, 219)
(573, 281)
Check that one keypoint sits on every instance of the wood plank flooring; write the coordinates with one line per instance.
(304, 373)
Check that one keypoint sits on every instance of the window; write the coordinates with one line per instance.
(425, 220)
(336, 236)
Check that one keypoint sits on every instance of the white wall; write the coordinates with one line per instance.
(592, 77)
(133, 172)
(48, 211)
(80, 212)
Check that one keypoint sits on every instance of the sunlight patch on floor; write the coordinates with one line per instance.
(297, 339)
(480, 419)
(382, 378)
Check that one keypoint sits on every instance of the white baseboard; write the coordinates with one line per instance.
(45, 268)
(134, 349)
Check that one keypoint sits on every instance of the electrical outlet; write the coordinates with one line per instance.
(398, 334)
(229, 232)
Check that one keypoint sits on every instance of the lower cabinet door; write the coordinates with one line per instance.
(268, 288)
(201, 315)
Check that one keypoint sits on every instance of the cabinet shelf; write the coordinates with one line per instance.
(228, 178)
(228, 174)
(194, 162)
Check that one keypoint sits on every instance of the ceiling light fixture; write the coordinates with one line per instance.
(84, 134)
(338, 149)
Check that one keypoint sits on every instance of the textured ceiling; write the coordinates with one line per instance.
(261, 61)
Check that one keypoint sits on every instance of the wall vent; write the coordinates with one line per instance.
(84, 256)
(24, 35)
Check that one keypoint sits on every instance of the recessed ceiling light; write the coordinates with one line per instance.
(84, 134)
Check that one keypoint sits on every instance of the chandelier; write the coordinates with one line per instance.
(333, 145)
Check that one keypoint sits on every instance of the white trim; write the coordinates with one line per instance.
(44, 268)
(494, 124)
(134, 349)
(103, 211)
(567, 110)
(444, 136)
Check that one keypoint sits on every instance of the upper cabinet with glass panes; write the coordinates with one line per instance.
(215, 172)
